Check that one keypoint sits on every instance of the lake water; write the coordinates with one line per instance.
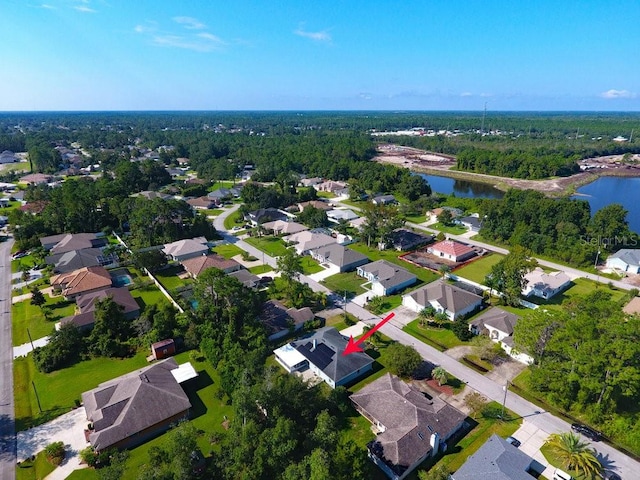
(462, 188)
(607, 190)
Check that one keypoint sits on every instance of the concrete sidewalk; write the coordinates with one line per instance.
(24, 349)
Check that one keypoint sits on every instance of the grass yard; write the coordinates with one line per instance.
(258, 269)
(58, 391)
(327, 195)
(453, 230)
(228, 250)
(487, 425)
(212, 212)
(309, 266)
(416, 218)
(346, 282)
(479, 269)
(27, 260)
(221, 184)
(384, 304)
(553, 460)
(427, 276)
(35, 470)
(26, 316)
(148, 296)
(169, 279)
(232, 220)
(579, 287)
(439, 338)
(272, 246)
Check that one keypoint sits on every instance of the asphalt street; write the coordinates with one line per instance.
(7, 412)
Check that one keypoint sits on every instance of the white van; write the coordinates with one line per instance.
(561, 475)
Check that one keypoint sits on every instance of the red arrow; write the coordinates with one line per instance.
(354, 346)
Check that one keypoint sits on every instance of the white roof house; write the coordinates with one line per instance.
(545, 285)
(625, 260)
(306, 241)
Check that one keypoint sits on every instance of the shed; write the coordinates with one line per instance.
(163, 349)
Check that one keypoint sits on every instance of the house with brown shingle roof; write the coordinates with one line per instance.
(35, 179)
(280, 227)
(444, 298)
(315, 204)
(195, 266)
(133, 408)
(280, 320)
(202, 203)
(410, 427)
(86, 306)
(81, 281)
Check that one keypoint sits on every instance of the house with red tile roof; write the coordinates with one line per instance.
(452, 251)
(81, 281)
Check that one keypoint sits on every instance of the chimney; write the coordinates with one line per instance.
(314, 344)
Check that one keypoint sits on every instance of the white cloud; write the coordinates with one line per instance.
(321, 36)
(618, 94)
(196, 44)
(84, 9)
(211, 37)
(466, 94)
(190, 23)
(47, 6)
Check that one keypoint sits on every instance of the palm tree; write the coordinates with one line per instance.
(439, 374)
(575, 454)
(426, 313)
(444, 270)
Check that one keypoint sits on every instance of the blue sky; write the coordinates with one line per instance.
(319, 55)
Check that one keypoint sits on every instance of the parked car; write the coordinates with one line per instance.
(587, 431)
(513, 441)
(19, 254)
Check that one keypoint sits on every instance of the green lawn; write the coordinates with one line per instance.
(228, 250)
(440, 338)
(309, 266)
(212, 212)
(232, 220)
(221, 184)
(258, 269)
(58, 391)
(148, 296)
(26, 316)
(28, 260)
(388, 302)
(553, 460)
(35, 470)
(168, 277)
(479, 269)
(425, 275)
(487, 425)
(272, 246)
(327, 195)
(579, 287)
(453, 230)
(348, 282)
(416, 218)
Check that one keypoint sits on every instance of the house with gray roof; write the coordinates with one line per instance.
(281, 227)
(135, 407)
(187, 248)
(248, 279)
(496, 459)
(625, 260)
(444, 298)
(321, 352)
(308, 240)
(338, 215)
(409, 426)
(404, 239)
(471, 222)
(385, 277)
(75, 259)
(339, 258)
(497, 322)
(262, 215)
(67, 242)
(545, 285)
(280, 320)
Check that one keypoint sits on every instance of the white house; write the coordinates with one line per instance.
(499, 325)
(625, 260)
(451, 250)
(545, 285)
(386, 278)
(444, 298)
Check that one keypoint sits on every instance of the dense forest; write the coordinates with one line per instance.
(521, 145)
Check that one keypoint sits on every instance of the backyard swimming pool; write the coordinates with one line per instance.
(121, 277)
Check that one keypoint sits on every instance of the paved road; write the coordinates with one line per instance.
(7, 412)
(614, 460)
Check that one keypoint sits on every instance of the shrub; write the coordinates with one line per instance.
(89, 456)
(55, 453)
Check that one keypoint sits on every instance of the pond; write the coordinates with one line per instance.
(461, 188)
(607, 190)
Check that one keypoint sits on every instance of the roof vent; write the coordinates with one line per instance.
(420, 435)
(430, 428)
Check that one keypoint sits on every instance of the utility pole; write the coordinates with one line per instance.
(37, 397)
(484, 114)
(30, 340)
(504, 400)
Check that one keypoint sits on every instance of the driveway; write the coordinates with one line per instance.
(68, 429)
(532, 438)
(24, 349)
